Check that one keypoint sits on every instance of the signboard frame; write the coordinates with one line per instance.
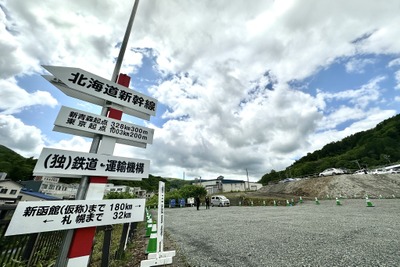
(72, 164)
(45, 216)
(86, 124)
(81, 84)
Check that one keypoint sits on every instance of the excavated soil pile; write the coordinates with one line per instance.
(350, 186)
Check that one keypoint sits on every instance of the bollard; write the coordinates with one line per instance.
(274, 203)
(338, 202)
(149, 227)
(316, 201)
(300, 200)
(152, 245)
(369, 203)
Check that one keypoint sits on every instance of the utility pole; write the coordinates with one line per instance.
(248, 183)
(358, 164)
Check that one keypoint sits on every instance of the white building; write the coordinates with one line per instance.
(9, 191)
(124, 188)
(221, 185)
(27, 195)
(51, 186)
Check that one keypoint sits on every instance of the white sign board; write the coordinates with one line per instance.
(160, 257)
(64, 163)
(87, 86)
(77, 122)
(160, 217)
(44, 216)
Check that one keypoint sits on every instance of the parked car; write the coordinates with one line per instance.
(378, 171)
(331, 171)
(220, 201)
(387, 170)
(362, 171)
(395, 170)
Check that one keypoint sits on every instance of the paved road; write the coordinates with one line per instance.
(303, 235)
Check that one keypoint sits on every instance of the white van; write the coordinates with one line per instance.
(220, 201)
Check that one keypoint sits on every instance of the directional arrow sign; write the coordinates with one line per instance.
(74, 121)
(89, 87)
(44, 216)
(64, 163)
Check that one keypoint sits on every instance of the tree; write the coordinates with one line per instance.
(119, 195)
(192, 191)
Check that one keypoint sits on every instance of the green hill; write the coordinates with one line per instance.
(16, 166)
(375, 147)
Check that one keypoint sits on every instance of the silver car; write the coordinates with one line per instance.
(331, 171)
(220, 201)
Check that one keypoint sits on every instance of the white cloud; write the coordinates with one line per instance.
(358, 65)
(357, 101)
(26, 140)
(224, 64)
(397, 78)
(394, 62)
(13, 98)
(75, 143)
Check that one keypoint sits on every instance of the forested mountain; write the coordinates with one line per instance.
(376, 147)
(16, 166)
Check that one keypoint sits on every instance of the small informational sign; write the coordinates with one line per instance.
(87, 86)
(77, 122)
(44, 216)
(65, 163)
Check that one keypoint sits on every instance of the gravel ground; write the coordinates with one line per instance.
(304, 235)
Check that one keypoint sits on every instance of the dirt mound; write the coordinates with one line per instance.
(350, 186)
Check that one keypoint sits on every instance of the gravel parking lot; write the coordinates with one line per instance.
(303, 235)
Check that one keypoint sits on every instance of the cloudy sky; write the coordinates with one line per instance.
(240, 84)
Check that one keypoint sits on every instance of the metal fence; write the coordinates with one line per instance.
(26, 250)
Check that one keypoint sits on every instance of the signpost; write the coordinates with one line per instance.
(64, 163)
(160, 257)
(87, 86)
(77, 122)
(84, 215)
(44, 216)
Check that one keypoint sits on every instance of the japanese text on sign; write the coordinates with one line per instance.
(64, 163)
(86, 124)
(113, 91)
(60, 161)
(42, 216)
